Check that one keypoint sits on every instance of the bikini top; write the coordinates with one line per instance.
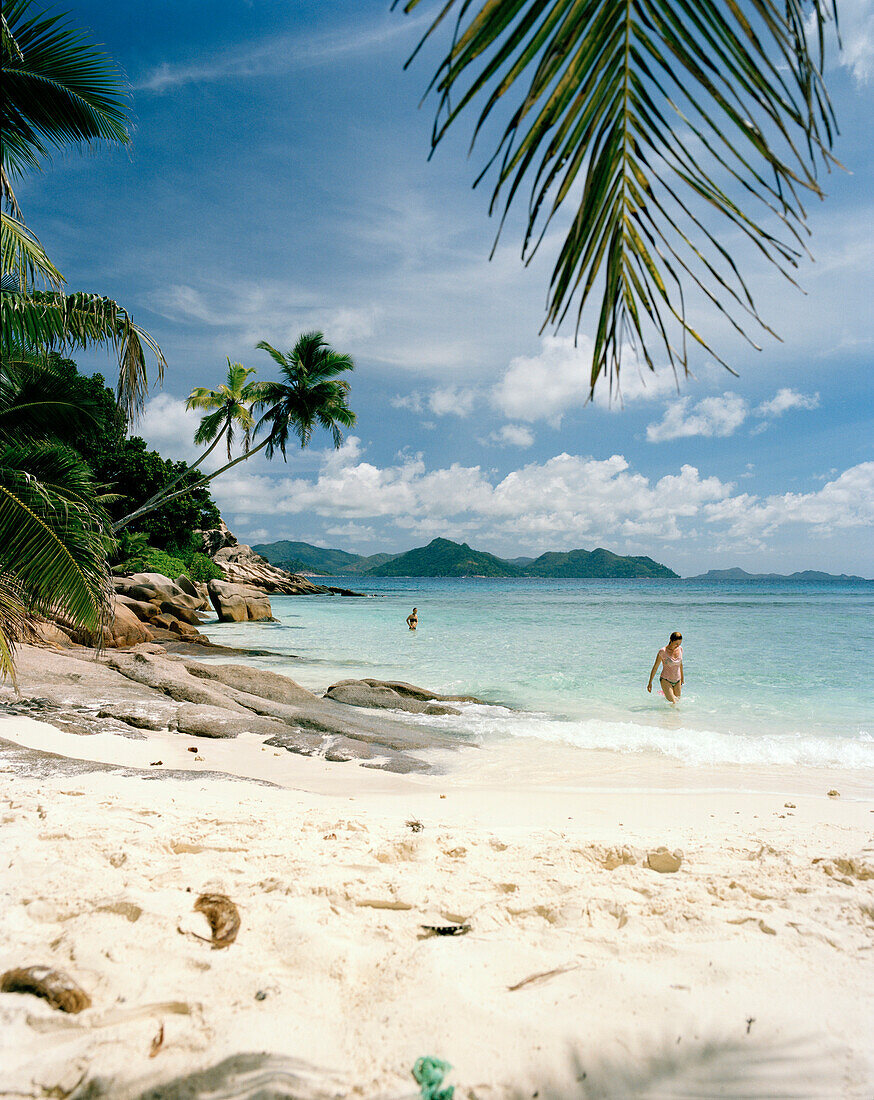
(671, 662)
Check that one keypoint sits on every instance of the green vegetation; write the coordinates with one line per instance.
(135, 555)
(58, 91)
(443, 558)
(299, 557)
(663, 118)
(309, 393)
(594, 563)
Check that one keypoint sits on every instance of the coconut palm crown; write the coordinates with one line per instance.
(309, 393)
(231, 407)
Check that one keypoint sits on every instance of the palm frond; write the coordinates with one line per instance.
(45, 319)
(657, 120)
(38, 400)
(59, 89)
(24, 257)
(52, 555)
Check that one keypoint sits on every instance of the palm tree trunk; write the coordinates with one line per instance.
(158, 498)
(149, 506)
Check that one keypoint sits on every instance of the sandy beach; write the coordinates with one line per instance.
(584, 972)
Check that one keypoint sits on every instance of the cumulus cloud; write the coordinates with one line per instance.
(441, 401)
(786, 399)
(547, 385)
(451, 401)
(512, 435)
(722, 416)
(567, 499)
(712, 416)
(572, 496)
(845, 502)
(169, 427)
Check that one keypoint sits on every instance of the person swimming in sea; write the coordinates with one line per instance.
(413, 619)
(670, 657)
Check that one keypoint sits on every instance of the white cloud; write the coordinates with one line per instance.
(512, 435)
(441, 401)
(712, 416)
(276, 312)
(856, 21)
(845, 502)
(451, 401)
(169, 427)
(411, 401)
(785, 399)
(569, 500)
(545, 386)
(722, 416)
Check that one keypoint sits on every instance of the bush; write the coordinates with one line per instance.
(159, 561)
(202, 569)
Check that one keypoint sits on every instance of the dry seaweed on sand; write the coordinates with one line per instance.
(223, 917)
(54, 986)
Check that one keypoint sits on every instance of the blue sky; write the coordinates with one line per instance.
(278, 181)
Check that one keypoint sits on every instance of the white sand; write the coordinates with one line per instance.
(769, 919)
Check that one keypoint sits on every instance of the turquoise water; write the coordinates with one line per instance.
(775, 672)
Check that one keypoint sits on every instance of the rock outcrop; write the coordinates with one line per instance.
(356, 693)
(169, 609)
(241, 565)
(239, 603)
(395, 695)
(149, 688)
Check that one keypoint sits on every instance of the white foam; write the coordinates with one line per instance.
(692, 746)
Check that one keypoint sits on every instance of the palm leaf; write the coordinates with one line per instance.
(25, 258)
(52, 556)
(46, 319)
(58, 89)
(658, 120)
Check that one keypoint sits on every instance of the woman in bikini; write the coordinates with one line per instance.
(671, 659)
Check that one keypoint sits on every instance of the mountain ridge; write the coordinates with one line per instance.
(443, 557)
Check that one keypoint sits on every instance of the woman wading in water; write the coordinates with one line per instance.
(671, 660)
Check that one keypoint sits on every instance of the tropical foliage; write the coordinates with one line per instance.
(309, 394)
(667, 127)
(54, 529)
(59, 90)
(230, 408)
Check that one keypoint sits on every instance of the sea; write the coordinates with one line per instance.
(776, 671)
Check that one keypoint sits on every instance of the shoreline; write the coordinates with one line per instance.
(579, 954)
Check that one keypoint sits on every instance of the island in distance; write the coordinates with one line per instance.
(805, 575)
(444, 558)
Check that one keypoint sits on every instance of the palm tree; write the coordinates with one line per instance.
(59, 90)
(231, 406)
(309, 394)
(656, 119)
(53, 537)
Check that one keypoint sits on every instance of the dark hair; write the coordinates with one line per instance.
(676, 637)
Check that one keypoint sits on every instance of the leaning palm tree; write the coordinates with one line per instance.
(668, 127)
(309, 394)
(59, 90)
(230, 408)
